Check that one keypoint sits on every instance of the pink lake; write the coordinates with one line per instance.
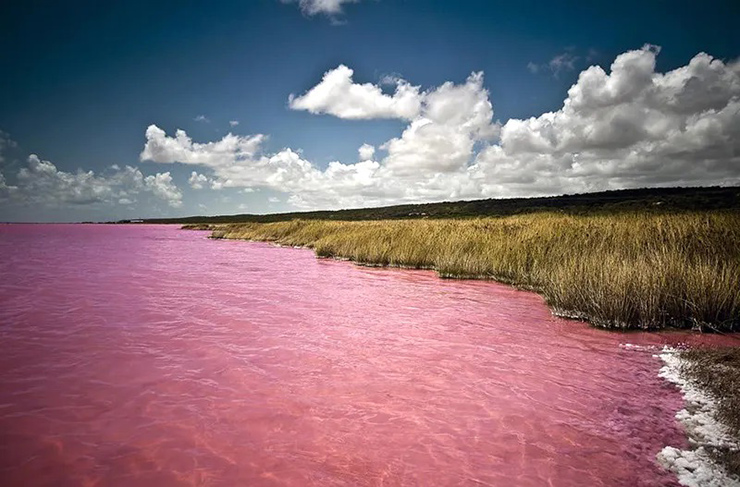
(150, 356)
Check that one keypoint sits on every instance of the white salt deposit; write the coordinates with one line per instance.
(695, 467)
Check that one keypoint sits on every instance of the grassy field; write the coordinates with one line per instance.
(621, 270)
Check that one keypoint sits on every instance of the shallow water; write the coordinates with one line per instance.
(150, 356)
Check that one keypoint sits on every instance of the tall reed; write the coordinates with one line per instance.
(625, 270)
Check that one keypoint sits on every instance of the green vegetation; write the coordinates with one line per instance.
(650, 200)
(717, 372)
(622, 270)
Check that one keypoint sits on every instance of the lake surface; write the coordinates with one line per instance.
(150, 356)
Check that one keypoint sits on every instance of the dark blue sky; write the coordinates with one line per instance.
(82, 80)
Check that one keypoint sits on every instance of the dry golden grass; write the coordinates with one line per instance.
(625, 270)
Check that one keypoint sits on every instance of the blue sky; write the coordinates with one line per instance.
(83, 82)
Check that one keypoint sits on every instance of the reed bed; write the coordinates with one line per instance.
(623, 270)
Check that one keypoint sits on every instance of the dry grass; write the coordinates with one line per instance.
(627, 270)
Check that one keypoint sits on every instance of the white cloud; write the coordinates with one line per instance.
(337, 94)
(232, 148)
(420, 164)
(161, 185)
(366, 152)
(197, 181)
(630, 127)
(442, 137)
(326, 7)
(533, 68)
(202, 118)
(40, 182)
(233, 123)
(6, 191)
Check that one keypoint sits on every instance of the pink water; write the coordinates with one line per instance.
(151, 356)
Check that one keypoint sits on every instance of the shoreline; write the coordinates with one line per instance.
(714, 455)
(622, 272)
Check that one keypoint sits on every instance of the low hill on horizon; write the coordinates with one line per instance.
(677, 199)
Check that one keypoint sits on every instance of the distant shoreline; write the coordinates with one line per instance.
(648, 200)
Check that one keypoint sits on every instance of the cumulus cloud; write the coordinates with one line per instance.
(326, 7)
(232, 148)
(446, 124)
(441, 138)
(366, 152)
(202, 118)
(41, 182)
(6, 191)
(233, 123)
(161, 186)
(337, 94)
(628, 127)
(197, 181)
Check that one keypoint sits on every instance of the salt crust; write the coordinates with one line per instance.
(695, 467)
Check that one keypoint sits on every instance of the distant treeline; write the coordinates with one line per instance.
(654, 200)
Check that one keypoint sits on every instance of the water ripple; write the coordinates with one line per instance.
(149, 356)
